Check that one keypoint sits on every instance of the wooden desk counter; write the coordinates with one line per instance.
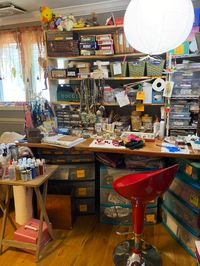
(150, 149)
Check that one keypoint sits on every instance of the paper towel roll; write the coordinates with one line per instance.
(23, 204)
(158, 84)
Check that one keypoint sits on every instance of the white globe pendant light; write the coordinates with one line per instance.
(157, 26)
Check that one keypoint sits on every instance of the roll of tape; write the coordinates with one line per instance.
(158, 84)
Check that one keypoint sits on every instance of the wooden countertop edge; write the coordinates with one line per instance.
(150, 149)
(36, 182)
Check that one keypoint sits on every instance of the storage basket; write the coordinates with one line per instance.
(155, 67)
(113, 71)
(136, 68)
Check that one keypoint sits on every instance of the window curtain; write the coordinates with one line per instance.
(22, 63)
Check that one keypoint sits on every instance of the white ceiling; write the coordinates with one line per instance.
(34, 5)
(62, 7)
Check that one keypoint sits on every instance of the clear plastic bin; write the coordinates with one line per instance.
(180, 115)
(188, 217)
(186, 190)
(190, 167)
(109, 174)
(122, 214)
(110, 196)
(180, 122)
(179, 232)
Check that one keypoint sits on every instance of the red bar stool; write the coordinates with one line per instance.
(140, 188)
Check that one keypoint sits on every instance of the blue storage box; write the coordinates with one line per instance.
(157, 97)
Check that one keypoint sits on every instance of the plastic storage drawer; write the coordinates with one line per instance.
(75, 172)
(115, 214)
(84, 189)
(184, 115)
(188, 217)
(109, 174)
(179, 122)
(110, 196)
(187, 190)
(176, 108)
(85, 206)
(122, 214)
(64, 156)
(179, 232)
(190, 168)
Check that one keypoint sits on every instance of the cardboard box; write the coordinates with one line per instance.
(60, 211)
(29, 233)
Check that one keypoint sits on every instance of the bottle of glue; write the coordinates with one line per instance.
(162, 124)
(156, 127)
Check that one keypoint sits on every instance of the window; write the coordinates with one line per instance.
(21, 76)
(12, 86)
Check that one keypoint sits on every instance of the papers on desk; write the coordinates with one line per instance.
(166, 147)
(107, 145)
(66, 141)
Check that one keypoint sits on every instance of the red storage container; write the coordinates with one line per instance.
(29, 233)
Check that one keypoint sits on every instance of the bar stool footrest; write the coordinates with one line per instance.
(123, 255)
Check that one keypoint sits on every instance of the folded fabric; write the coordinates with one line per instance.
(134, 144)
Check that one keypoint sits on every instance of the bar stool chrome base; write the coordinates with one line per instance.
(123, 255)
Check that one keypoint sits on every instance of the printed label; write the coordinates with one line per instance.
(83, 208)
(188, 169)
(150, 218)
(82, 191)
(80, 173)
(194, 200)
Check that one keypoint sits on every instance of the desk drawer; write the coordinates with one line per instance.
(65, 156)
(75, 172)
(85, 206)
(84, 189)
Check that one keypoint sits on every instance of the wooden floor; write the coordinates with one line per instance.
(91, 243)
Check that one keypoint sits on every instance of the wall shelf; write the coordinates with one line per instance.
(105, 104)
(114, 78)
(92, 57)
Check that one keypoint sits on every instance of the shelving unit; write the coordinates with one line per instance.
(183, 118)
(62, 61)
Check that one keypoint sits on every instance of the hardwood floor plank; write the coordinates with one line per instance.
(90, 243)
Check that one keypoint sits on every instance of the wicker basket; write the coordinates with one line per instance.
(136, 68)
(123, 69)
(155, 67)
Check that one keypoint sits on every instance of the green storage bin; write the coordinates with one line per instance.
(136, 68)
(155, 67)
(114, 67)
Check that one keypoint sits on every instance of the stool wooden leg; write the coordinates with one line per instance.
(43, 214)
(2, 206)
(5, 214)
